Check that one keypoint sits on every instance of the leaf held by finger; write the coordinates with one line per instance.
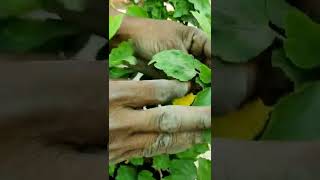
(176, 64)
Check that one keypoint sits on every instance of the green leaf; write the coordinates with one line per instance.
(176, 64)
(115, 73)
(137, 11)
(241, 29)
(204, 169)
(198, 81)
(122, 54)
(114, 24)
(182, 169)
(193, 152)
(126, 173)
(203, 98)
(19, 35)
(155, 9)
(161, 161)
(205, 73)
(204, 22)
(145, 175)
(137, 161)
(181, 7)
(203, 6)
(277, 11)
(296, 116)
(295, 74)
(111, 168)
(10, 8)
(303, 40)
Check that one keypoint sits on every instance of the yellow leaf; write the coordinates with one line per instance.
(246, 123)
(184, 101)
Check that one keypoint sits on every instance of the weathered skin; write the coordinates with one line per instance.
(167, 129)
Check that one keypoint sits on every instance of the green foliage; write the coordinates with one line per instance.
(126, 173)
(182, 8)
(241, 29)
(176, 64)
(303, 40)
(204, 170)
(136, 161)
(203, 98)
(145, 175)
(114, 24)
(182, 169)
(122, 54)
(155, 9)
(136, 11)
(296, 117)
(193, 152)
(242, 32)
(111, 169)
(161, 162)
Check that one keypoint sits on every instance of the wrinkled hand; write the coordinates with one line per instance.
(152, 36)
(167, 129)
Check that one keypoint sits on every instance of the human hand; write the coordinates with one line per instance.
(167, 129)
(152, 36)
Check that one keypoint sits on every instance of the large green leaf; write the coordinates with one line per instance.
(114, 24)
(296, 117)
(122, 54)
(161, 161)
(17, 7)
(18, 35)
(303, 42)
(204, 169)
(145, 175)
(241, 29)
(182, 169)
(176, 64)
(136, 11)
(126, 173)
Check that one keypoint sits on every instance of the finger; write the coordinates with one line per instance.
(148, 92)
(157, 144)
(173, 119)
(198, 43)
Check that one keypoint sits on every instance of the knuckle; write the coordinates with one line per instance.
(168, 121)
(162, 143)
